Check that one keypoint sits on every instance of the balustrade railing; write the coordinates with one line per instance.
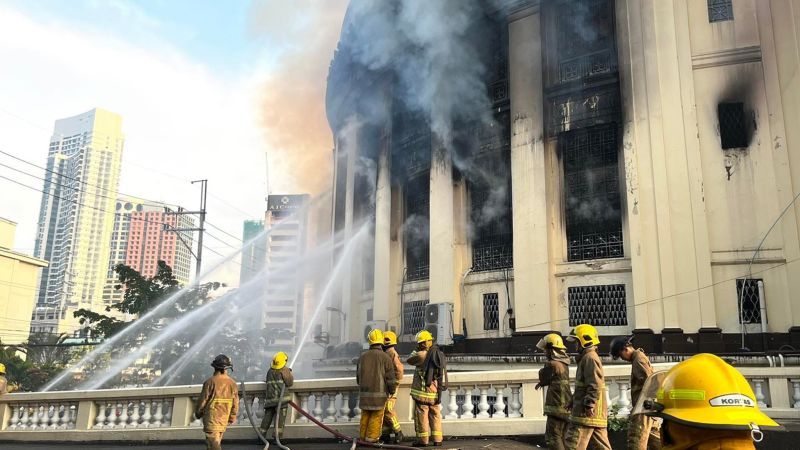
(476, 403)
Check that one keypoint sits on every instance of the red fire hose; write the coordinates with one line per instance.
(344, 437)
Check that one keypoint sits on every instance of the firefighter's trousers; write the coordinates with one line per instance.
(643, 433)
(428, 422)
(269, 420)
(371, 425)
(390, 421)
(214, 440)
(580, 437)
(555, 432)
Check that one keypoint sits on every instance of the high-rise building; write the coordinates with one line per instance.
(285, 298)
(254, 254)
(140, 239)
(77, 214)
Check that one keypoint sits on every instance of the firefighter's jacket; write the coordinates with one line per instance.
(420, 392)
(276, 379)
(555, 375)
(398, 365)
(590, 391)
(640, 370)
(3, 385)
(218, 403)
(375, 377)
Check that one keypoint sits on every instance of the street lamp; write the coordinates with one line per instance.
(344, 321)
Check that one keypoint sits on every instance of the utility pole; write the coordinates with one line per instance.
(203, 192)
(199, 229)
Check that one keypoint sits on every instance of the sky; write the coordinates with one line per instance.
(206, 89)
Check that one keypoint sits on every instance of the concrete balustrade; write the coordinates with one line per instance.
(487, 403)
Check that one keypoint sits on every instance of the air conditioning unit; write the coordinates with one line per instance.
(371, 325)
(439, 322)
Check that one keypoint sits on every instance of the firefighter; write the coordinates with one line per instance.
(588, 417)
(219, 403)
(430, 369)
(3, 381)
(555, 375)
(375, 377)
(390, 422)
(643, 431)
(279, 379)
(706, 404)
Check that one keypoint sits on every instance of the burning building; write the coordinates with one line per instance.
(527, 166)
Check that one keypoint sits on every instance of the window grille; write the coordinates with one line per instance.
(600, 305)
(416, 230)
(491, 311)
(414, 316)
(591, 193)
(490, 215)
(748, 302)
(720, 10)
(732, 126)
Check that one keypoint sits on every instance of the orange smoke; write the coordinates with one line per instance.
(298, 138)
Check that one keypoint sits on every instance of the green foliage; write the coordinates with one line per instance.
(615, 421)
(44, 359)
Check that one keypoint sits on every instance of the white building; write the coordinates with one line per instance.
(77, 215)
(625, 162)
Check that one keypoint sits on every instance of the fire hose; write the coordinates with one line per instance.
(314, 420)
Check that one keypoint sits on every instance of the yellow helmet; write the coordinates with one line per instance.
(389, 338)
(279, 360)
(2, 369)
(551, 340)
(706, 392)
(585, 334)
(424, 336)
(375, 337)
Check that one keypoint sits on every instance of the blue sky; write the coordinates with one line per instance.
(195, 83)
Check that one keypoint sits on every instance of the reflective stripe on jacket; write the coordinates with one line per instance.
(276, 379)
(419, 391)
(375, 378)
(555, 375)
(218, 403)
(590, 391)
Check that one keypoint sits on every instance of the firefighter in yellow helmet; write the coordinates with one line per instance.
(555, 375)
(3, 380)
(430, 370)
(219, 403)
(390, 422)
(643, 431)
(375, 377)
(279, 379)
(588, 418)
(706, 404)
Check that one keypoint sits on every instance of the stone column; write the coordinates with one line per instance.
(382, 290)
(532, 298)
(442, 227)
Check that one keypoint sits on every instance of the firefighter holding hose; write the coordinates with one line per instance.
(218, 405)
(279, 380)
(375, 376)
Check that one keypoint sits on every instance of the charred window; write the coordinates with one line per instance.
(490, 213)
(602, 305)
(732, 126)
(748, 300)
(720, 10)
(591, 193)
(416, 228)
(491, 311)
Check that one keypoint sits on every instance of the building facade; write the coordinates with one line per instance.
(624, 166)
(254, 253)
(18, 276)
(76, 216)
(141, 237)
